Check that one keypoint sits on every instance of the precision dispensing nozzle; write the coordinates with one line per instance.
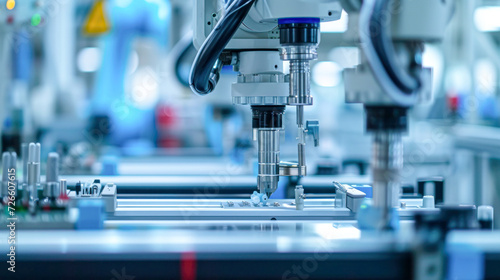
(268, 121)
(299, 38)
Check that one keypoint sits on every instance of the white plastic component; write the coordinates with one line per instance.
(299, 197)
(428, 202)
(271, 10)
(255, 198)
(260, 93)
(362, 87)
(485, 213)
(423, 20)
(258, 198)
(108, 194)
(261, 80)
(340, 197)
(259, 30)
(260, 62)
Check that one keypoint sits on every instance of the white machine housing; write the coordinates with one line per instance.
(260, 28)
(422, 21)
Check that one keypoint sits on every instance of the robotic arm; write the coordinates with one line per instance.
(256, 37)
(390, 80)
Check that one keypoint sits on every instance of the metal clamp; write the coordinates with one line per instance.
(312, 128)
(292, 169)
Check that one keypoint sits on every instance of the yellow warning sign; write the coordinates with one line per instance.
(96, 22)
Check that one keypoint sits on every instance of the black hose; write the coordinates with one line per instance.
(185, 57)
(206, 67)
(408, 83)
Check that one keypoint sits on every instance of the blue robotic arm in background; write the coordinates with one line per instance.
(130, 19)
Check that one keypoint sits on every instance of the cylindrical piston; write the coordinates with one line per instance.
(51, 189)
(269, 159)
(52, 168)
(63, 189)
(387, 163)
(33, 172)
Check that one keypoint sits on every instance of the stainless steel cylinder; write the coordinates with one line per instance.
(387, 163)
(269, 159)
(300, 115)
(302, 157)
(37, 157)
(6, 158)
(300, 72)
(24, 156)
(52, 174)
(300, 83)
(13, 162)
(33, 174)
(51, 190)
(5, 166)
(63, 187)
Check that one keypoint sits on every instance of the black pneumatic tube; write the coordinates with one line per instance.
(205, 70)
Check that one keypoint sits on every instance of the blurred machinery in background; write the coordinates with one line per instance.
(138, 177)
(21, 21)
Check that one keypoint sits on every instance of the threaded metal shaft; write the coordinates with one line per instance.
(269, 159)
(387, 163)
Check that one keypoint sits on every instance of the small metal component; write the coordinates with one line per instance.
(292, 169)
(13, 161)
(51, 190)
(37, 159)
(108, 194)
(52, 167)
(25, 155)
(230, 203)
(63, 187)
(5, 173)
(299, 197)
(52, 187)
(276, 204)
(340, 195)
(96, 187)
(300, 83)
(312, 128)
(245, 203)
(302, 158)
(403, 205)
(33, 173)
(348, 197)
(86, 189)
(5, 166)
(78, 189)
(33, 168)
(95, 190)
